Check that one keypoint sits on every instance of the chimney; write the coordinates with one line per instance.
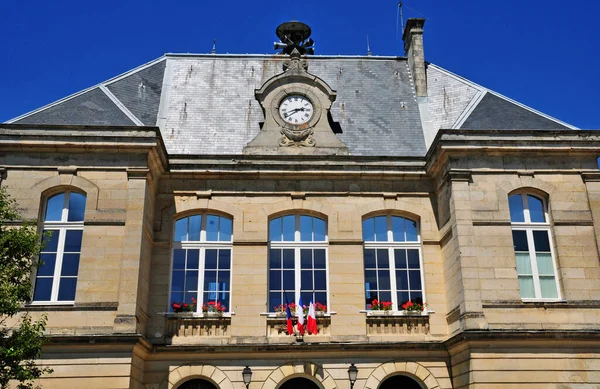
(413, 49)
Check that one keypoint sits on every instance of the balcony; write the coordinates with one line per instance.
(189, 328)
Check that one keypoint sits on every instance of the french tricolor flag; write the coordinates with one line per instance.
(300, 315)
(311, 320)
(290, 325)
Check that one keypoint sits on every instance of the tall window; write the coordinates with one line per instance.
(536, 267)
(202, 261)
(56, 278)
(297, 260)
(392, 255)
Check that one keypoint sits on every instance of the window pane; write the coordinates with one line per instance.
(320, 280)
(520, 240)
(70, 265)
(73, 241)
(181, 230)
(47, 269)
(289, 227)
(275, 280)
(402, 279)
(275, 259)
(189, 296)
(548, 287)
(224, 300)
(274, 300)
(398, 229)
(191, 280)
(523, 263)
(212, 228)
(415, 279)
(306, 259)
(384, 279)
(381, 228)
(526, 287)
(193, 259)
(371, 280)
(319, 255)
(385, 296)
(369, 296)
(210, 281)
(383, 260)
(43, 289)
(288, 259)
(54, 207)
(275, 230)
(175, 298)
(400, 258)
(536, 209)
(76, 207)
(321, 297)
(224, 259)
(402, 298)
(515, 204)
(177, 281)
(368, 227)
(66, 289)
(319, 229)
(223, 280)
(369, 255)
(544, 263)
(307, 297)
(210, 259)
(50, 240)
(541, 241)
(289, 280)
(413, 259)
(416, 297)
(412, 235)
(306, 280)
(306, 228)
(226, 228)
(194, 228)
(178, 259)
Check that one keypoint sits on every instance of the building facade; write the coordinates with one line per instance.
(241, 184)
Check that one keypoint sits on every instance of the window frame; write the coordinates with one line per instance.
(392, 245)
(297, 245)
(529, 227)
(202, 245)
(61, 227)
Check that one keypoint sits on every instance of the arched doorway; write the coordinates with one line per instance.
(400, 382)
(299, 383)
(197, 384)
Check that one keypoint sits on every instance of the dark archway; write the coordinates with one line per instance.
(400, 382)
(299, 383)
(197, 384)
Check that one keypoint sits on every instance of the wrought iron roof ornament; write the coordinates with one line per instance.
(292, 36)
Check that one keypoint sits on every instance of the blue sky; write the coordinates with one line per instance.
(542, 53)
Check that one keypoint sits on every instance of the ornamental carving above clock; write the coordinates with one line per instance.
(295, 104)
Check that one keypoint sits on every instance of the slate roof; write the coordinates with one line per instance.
(204, 104)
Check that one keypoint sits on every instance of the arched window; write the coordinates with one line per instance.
(393, 265)
(297, 260)
(536, 266)
(56, 278)
(201, 265)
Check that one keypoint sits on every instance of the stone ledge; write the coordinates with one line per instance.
(96, 306)
(578, 304)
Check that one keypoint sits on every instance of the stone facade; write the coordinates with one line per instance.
(379, 151)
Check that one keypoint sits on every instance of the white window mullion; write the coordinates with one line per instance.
(201, 267)
(58, 263)
(394, 289)
(297, 273)
(526, 214)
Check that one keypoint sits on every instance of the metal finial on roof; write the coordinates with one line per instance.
(368, 46)
(294, 35)
(214, 48)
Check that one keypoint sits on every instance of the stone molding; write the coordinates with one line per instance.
(181, 374)
(45, 186)
(309, 370)
(411, 369)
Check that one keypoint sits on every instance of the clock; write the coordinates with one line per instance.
(296, 109)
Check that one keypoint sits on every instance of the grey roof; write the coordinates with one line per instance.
(212, 109)
(494, 112)
(93, 107)
(204, 104)
(140, 92)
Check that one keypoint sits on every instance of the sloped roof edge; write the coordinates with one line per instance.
(471, 107)
(102, 87)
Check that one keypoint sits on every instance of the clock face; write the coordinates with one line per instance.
(296, 109)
